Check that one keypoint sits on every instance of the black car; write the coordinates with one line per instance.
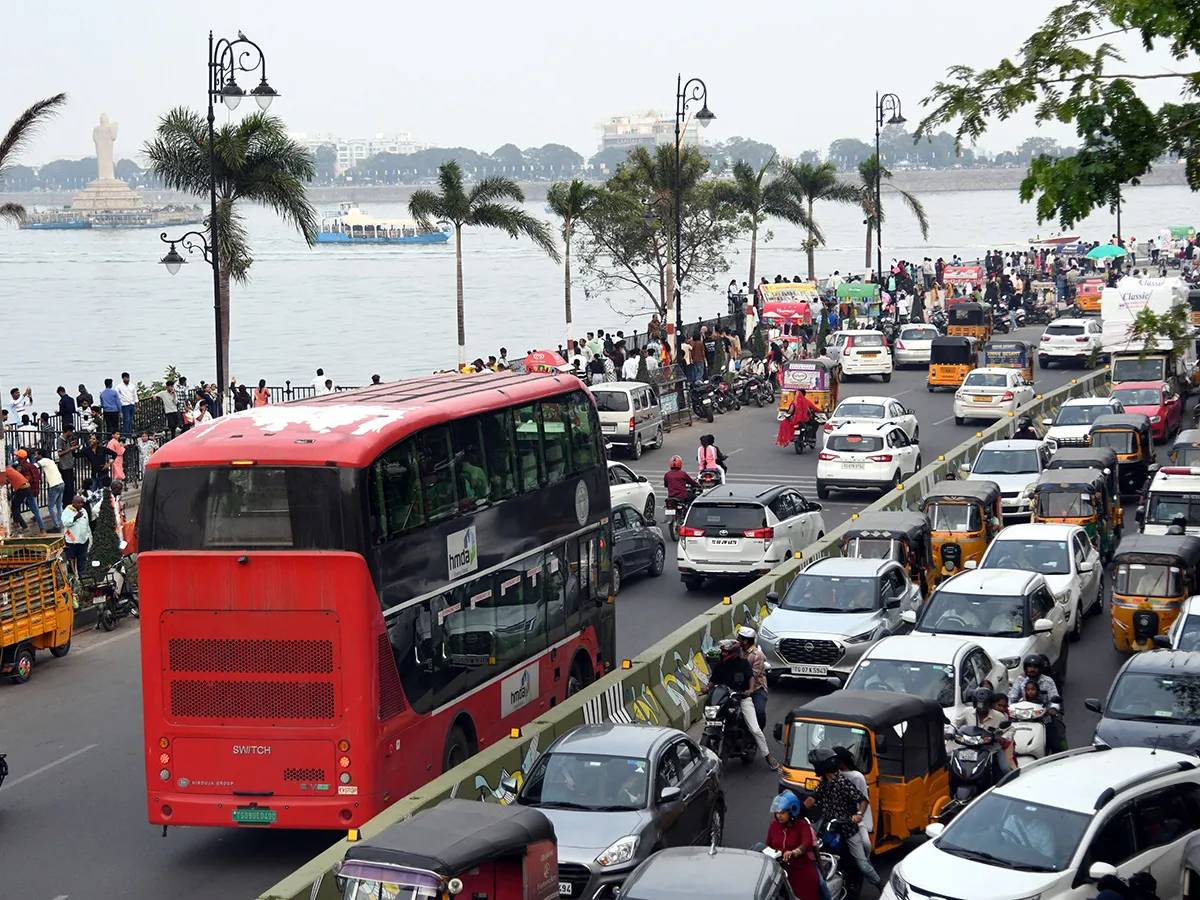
(638, 546)
(1154, 702)
(721, 874)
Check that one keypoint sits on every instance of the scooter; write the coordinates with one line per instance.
(1029, 730)
(973, 767)
(114, 596)
(725, 731)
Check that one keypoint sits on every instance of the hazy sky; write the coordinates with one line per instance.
(797, 75)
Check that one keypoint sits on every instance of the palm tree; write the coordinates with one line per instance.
(571, 202)
(811, 182)
(868, 171)
(256, 162)
(756, 201)
(482, 207)
(20, 134)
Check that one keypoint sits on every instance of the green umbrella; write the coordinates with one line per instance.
(1106, 251)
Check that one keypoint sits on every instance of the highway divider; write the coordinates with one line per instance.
(662, 685)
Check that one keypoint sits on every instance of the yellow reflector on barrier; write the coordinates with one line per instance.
(626, 664)
(515, 733)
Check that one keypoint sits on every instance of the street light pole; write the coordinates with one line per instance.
(695, 90)
(883, 105)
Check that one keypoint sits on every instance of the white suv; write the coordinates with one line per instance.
(865, 353)
(866, 456)
(1052, 828)
(1072, 424)
(744, 531)
(1069, 340)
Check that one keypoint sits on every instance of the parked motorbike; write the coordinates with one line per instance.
(114, 596)
(806, 435)
(675, 510)
(973, 765)
(702, 400)
(723, 398)
(725, 731)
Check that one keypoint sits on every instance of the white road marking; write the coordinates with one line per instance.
(940, 421)
(46, 768)
(107, 640)
(61, 897)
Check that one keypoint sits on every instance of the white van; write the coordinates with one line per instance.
(630, 415)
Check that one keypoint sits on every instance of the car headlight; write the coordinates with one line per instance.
(1010, 662)
(620, 852)
(898, 885)
(861, 638)
(1154, 420)
(1028, 492)
(767, 634)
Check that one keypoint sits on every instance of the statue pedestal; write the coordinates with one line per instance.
(108, 195)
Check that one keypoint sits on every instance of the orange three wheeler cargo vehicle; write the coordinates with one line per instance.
(36, 604)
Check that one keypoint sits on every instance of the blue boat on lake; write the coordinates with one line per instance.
(350, 225)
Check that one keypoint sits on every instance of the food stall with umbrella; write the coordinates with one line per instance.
(545, 361)
(960, 280)
(787, 305)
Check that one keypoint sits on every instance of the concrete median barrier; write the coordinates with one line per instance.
(662, 685)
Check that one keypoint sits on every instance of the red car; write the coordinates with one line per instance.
(1154, 399)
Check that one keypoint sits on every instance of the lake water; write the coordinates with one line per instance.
(83, 305)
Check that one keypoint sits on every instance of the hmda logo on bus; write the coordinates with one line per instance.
(518, 689)
(462, 554)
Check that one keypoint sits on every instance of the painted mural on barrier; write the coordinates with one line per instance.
(485, 791)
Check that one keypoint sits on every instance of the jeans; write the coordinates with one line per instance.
(751, 717)
(824, 888)
(759, 699)
(55, 503)
(862, 857)
(172, 425)
(25, 498)
(127, 421)
(112, 422)
(68, 477)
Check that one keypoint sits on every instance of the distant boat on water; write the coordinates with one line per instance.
(75, 220)
(350, 225)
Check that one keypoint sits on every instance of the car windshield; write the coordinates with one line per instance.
(830, 593)
(874, 548)
(960, 517)
(1043, 557)
(1130, 368)
(1065, 505)
(1005, 462)
(1138, 396)
(1139, 580)
(1151, 697)
(1187, 456)
(854, 443)
(586, 781)
(868, 340)
(986, 379)
(1164, 507)
(1189, 635)
(726, 516)
(611, 401)
(919, 334)
(1015, 834)
(372, 881)
(1060, 330)
(986, 615)
(1082, 414)
(805, 737)
(922, 679)
(1119, 441)
(859, 411)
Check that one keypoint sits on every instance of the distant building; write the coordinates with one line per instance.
(352, 151)
(649, 129)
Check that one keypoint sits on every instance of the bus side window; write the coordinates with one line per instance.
(537, 589)
(559, 587)
(395, 490)
(468, 453)
(411, 636)
(501, 452)
(438, 473)
(529, 447)
(555, 440)
(584, 434)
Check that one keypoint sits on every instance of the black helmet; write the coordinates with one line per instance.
(823, 761)
(1024, 422)
(1037, 661)
(981, 696)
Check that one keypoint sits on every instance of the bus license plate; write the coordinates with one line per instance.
(817, 671)
(255, 815)
(564, 889)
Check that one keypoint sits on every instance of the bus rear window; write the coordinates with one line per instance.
(245, 508)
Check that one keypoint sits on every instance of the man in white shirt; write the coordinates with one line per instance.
(127, 395)
(318, 383)
(20, 403)
(629, 369)
(835, 279)
(902, 305)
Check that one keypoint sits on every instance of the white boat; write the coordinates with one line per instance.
(350, 225)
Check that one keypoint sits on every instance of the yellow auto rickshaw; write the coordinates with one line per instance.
(1104, 459)
(970, 319)
(1128, 434)
(950, 359)
(1152, 576)
(963, 516)
(1077, 497)
(1186, 449)
(897, 743)
(816, 377)
(903, 536)
(1010, 355)
(1088, 293)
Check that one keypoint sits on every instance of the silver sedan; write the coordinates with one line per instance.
(912, 345)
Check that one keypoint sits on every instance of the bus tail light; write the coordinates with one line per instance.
(881, 458)
(343, 746)
(241, 462)
(344, 762)
(164, 759)
(166, 811)
(344, 778)
(686, 531)
(164, 774)
(164, 743)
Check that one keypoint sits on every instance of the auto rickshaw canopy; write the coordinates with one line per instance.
(1085, 458)
(953, 350)
(985, 492)
(968, 313)
(1181, 550)
(1133, 423)
(1073, 479)
(908, 526)
(456, 836)
(1186, 449)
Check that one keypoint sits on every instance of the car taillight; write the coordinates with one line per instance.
(849, 342)
(686, 531)
(1045, 338)
(899, 345)
(762, 534)
(829, 426)
(632, 423)
(1081, 340)
(827, 456)
(1008, 395)
(882, 457)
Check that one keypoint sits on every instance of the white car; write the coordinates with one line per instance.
(913, 343)
(744, 531)
(1185, 633)
(628, 487)
(864, 352)
(943, 668)
(1174, 491)
(1015, 466)
(866, 456)
(1063, 555)
(1072, 424)
(1067, 821)
(1009, 612)
(1069, 340)
(991, 394)
(873, 410)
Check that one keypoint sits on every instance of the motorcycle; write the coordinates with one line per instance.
(114, 596)
(708, 478)
(829, 863)
(806, 434)
(725, 731)
(675, 510)
(973, 766)
(702, 400)
(724, 399)
(1029, 729)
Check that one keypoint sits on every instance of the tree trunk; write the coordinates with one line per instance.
(870, 244)
(753, 253)
(462, 325)
(567, 279)
(810, 247)
(223, 376)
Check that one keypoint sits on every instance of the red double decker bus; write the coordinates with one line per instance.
(343, 598)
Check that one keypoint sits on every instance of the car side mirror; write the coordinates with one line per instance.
(778, 732)
(813, 506)
(971, 564)
(669, 793)
(509, 783)
(1162, 641)
(892, 603)
(965, 468)
(642, 478)
(1047, 422)
(773, 598)
(1097, 871)
(1140, 515)
(909, 617)
(934, 829)
(1041, 626)
(1087, 565)
(1091, 703)
(909, 412)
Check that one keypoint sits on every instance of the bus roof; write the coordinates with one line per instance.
(352, 428)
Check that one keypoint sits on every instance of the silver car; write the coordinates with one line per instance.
(832, 612)
(913, 343)
(618, 793)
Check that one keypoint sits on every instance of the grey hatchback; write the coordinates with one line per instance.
(618, 793)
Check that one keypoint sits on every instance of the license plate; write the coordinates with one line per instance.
(818, 671)
(968, 755)
(608, 427)
(669, 513)
(811, 784)
(723, 544)
(853, 464)
(255, 816)
(564, 889)
(98, 601)
(869, 355)
(982, 399)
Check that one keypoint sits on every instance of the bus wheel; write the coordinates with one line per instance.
(458, 749)
(578, 679)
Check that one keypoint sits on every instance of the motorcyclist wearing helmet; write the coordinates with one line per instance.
(679, 484)
(733, 670)
(1035, 668)
(986, 716)
(1025, 430)
(837, 799)
(791, 835)
(758, 665)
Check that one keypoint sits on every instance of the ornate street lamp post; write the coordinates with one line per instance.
(887, 105)
(694, 91)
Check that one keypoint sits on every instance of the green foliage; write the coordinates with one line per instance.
(643, 372)
(1070, 75)
(145, 391)
(758, 342)
(811, 182)
(755, 198)
(1173, 326)
(18, 137)
(105, 545)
